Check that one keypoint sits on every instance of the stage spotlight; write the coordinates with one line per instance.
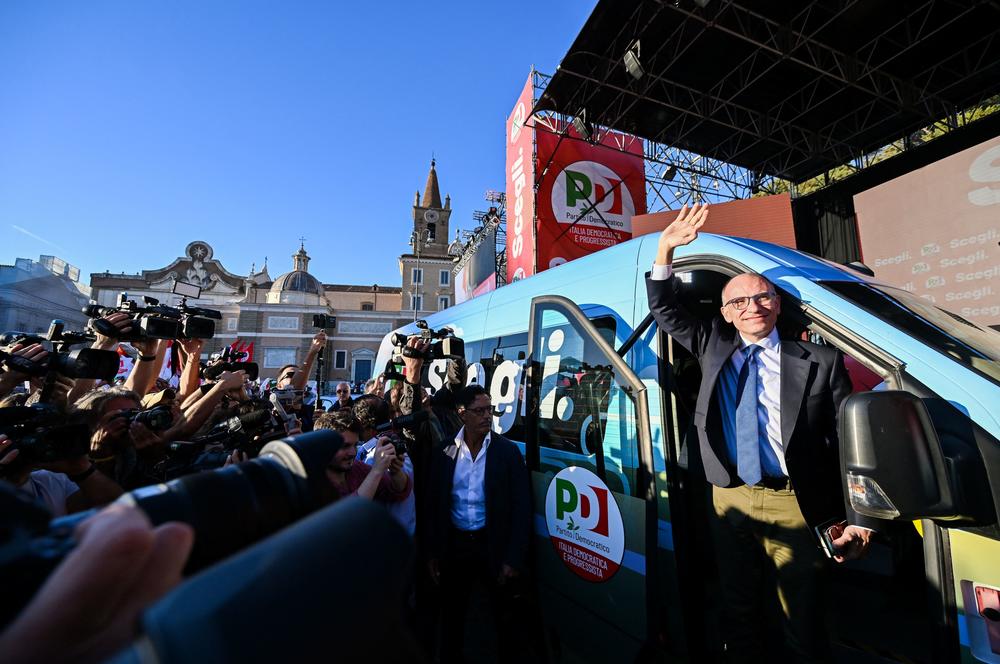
(582, 126)
(670, 173)
(632, 65)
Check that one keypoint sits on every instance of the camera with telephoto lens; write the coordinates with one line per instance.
(42, 433)
(79, 363)
(229, 509)
(444, 344)
(229, 360)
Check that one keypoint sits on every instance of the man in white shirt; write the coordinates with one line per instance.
(480, 521)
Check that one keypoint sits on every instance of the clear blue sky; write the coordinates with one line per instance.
(128, 129)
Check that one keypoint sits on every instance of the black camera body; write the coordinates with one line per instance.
(229, 360)
(79, 363)
(444, 344)
(157, 418)
(42, 434)
(324, 321)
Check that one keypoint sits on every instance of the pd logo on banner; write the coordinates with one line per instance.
(591, 194)
(585, 524)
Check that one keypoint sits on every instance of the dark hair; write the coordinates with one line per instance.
(468, 394)
(371, 410)
(339, 421)
(287, 366)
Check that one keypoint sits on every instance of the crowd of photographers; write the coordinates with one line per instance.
(74, 438)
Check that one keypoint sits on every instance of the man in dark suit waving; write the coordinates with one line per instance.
(766, 420)
(480, 515)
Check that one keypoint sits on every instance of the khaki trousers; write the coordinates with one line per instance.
(762, 541)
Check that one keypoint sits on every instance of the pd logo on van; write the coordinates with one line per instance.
(585, 187)
(584, 524)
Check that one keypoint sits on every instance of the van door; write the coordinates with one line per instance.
(589, 454)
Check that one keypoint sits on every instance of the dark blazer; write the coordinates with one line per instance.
(814, 382)
(508, 503)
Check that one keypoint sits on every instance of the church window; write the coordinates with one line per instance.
(340, 359)
(282, 322)
(277, 357)
(367, 306)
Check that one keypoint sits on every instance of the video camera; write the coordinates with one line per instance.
(444, 344)
(155, 320)
(79, 363)
(229, 360)
(229, 509)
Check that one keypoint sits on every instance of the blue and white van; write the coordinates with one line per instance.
(601, 402)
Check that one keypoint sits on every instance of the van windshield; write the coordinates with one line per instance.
(962, 340)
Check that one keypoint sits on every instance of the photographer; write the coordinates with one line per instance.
(121, 448)
(371, 412)
(65, 486)
(383, 481)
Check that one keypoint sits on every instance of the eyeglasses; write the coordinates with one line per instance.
(479, 412)
(740, 303)
(288, 376)
(342, 391)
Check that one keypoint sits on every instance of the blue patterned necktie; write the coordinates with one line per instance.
(747, 430)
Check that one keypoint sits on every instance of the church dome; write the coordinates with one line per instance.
(297, 281)
(297, 286)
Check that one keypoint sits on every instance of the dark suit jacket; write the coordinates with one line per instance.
(814, 382)
(508, 503)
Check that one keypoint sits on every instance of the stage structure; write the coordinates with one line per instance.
(736, 99)
(482, 263)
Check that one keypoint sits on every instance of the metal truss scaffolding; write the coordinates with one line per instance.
(782, 89)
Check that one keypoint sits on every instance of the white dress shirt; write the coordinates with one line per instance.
(768, 394)
(468, 489)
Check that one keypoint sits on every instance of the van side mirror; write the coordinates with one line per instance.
(893, 461)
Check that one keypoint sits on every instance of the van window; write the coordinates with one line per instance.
(966, 342)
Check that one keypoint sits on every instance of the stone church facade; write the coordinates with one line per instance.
(276, 314)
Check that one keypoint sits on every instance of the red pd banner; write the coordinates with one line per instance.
(588, 193)
(520, 188)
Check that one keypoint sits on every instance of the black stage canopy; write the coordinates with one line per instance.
(788, 88)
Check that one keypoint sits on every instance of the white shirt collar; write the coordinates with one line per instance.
(460, 440)
(770, 342)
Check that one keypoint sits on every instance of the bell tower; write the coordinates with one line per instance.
(428, 284)
(430, 217)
